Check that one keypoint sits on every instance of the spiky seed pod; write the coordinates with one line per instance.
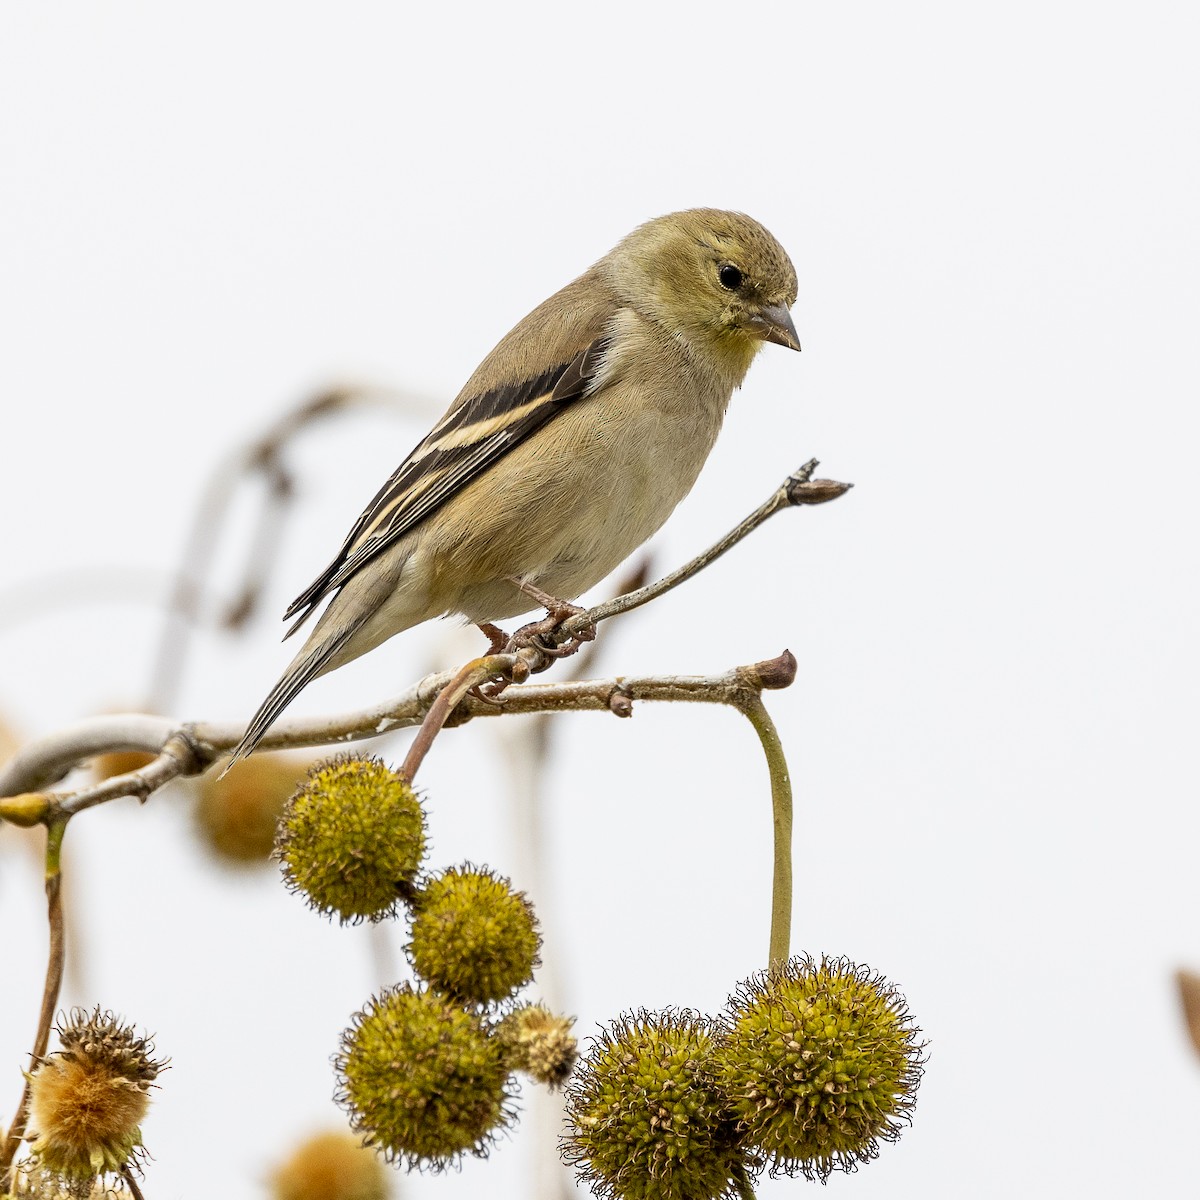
(473, 936)
(333, 1165)
(87, 1100)
(237, 815)
(539, 1043)
(822, 1063)
(422, 1079)
(352, 838)
(647, 1118)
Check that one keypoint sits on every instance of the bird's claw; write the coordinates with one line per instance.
(541, 635)
(489, 692)
(567, 648)
(497, 638)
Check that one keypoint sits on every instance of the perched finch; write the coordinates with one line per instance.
(570, 445)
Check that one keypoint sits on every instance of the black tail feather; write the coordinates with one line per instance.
(304, 669)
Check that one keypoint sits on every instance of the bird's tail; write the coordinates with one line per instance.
(306, 666)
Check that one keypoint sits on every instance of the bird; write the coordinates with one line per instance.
(569, 446)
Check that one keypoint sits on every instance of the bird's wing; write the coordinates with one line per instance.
(546, 363)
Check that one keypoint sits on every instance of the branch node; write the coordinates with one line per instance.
(773, 673)
(27, 809)
(800, 476)
(185, 749)
(620, 701)
(815, 491)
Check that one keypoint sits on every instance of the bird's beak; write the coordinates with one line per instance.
(774, 324)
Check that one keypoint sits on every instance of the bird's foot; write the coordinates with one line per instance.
(545, 635)
(489, 692)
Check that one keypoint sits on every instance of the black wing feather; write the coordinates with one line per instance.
(402, 503)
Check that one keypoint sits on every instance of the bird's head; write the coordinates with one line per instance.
(716, 279)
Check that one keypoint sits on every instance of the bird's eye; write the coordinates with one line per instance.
(730, 277)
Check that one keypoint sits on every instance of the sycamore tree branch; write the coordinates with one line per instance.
(43, 763)
(190, 749)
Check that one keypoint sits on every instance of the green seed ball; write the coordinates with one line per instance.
(646, 1115)
(473, 936)
(352, 838)
(422, 1079)
(822, 1063)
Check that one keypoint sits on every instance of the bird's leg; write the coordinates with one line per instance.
(557, 611)
(497, 638)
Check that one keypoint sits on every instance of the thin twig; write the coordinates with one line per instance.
(41, 763)
(263, 544)
(477, 671)
(131, 1183)
(797, 488)
(54, 975)
(755, 710)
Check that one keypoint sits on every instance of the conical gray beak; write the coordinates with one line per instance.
(774, 324)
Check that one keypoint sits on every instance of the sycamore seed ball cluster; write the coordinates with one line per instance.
(473, 936)
(87, 1100)
(809, 1068)
(649, 1119)
(821, 1065)
(352, 838)
(426, 1069)
(423, 1078)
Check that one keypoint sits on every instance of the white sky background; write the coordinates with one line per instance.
(204, 215)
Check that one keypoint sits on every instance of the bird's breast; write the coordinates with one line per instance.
(597, 482)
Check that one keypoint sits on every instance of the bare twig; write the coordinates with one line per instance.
(587, 656)
(54, 975)
(476, 672)
(798, 488)
(43, 762)
(131, 1183)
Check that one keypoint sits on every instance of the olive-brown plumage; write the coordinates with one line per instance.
(568, 447)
